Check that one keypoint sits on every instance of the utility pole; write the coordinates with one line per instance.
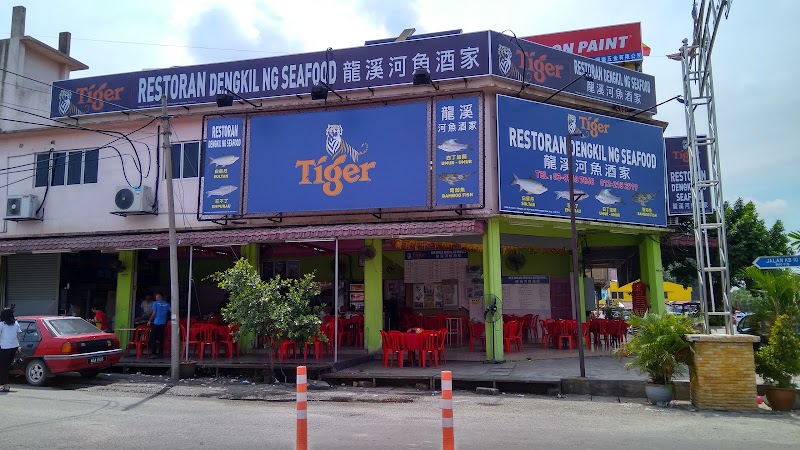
(173, 248)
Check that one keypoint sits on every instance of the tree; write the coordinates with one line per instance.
(775, 292)
(795, 240)
(742, 299)
(275, 310)
(746, 238)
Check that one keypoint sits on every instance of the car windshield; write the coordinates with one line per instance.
(71, 326)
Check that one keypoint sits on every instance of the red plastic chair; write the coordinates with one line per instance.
(569, 333)
(516, 339)
(393, 346)
(533, 328)
(549, 333)
(141, 339)
(509, 334)
(476, 333)
(440, 356)
(208, 337)
(225, 340)
(285, 347)
(430, 348)
(195, 337)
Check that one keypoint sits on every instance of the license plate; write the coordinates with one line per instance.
(96, 359)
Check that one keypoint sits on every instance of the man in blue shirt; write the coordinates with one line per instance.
(158, 321)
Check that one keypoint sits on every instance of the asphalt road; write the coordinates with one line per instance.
(153, 414)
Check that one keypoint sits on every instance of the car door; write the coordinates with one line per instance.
(30, 339)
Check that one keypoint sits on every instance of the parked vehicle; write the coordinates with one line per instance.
(52, 345)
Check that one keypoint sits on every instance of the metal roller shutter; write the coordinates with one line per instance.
(32, 283)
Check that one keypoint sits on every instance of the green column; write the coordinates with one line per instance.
(652, 272)
(252, 253)
(373, 302)
(126, 294)
(581, 296)
(493, 284)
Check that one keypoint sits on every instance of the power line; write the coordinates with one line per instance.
(122, 108)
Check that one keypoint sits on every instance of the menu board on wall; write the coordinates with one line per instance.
(526, 292)
(435, 266)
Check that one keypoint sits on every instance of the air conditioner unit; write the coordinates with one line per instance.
(128, 200)
(21, 207)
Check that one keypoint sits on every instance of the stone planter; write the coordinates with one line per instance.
(659, 394)
(780, 399)
(186, 369)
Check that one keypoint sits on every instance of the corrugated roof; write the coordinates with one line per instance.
(240, 236)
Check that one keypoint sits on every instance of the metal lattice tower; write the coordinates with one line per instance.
(698, 92)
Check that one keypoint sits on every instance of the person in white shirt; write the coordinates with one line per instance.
(9, 345)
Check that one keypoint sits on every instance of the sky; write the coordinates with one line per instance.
(752, 63)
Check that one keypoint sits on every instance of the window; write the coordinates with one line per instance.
(65, 168)
(185, 160)
(30, 332)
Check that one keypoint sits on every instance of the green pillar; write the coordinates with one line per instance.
(581, 296)
(252, 253)
(652, 272)
(493, 284)
(373, 302)
(126, 295)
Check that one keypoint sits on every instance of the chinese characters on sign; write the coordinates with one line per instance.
(457, 149)
(618, 165)
(222, 174)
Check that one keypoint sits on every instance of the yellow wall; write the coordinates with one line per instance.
(674, 292)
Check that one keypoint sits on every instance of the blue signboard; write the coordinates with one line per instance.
(618, 167)
(540, 65)
(525, 279)
(435, 254)
(458, 152)
(222, 168)
(777, 262)
(446, 57)
(352, 159)
(679, 181)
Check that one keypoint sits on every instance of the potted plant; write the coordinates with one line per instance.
(779, 361)
(658, 349)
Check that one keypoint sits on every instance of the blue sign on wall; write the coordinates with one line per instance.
(618, 166)
(679, 181)
(458, 152)
(222, 168)
(544, 66)
(352, 159)
(446, 57)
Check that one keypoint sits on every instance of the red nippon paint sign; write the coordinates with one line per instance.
(611, 44)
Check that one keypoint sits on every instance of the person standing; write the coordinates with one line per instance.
(100, 318)
(9, 345)
(158, 321)
(146, 307)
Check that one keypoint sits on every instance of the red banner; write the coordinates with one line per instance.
(615, 43)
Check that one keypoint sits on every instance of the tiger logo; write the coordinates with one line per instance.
(64, 102)
(506, 67)
(572, 124)
(335, 145)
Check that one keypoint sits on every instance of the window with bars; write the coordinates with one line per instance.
(66, 168)
(185, 159)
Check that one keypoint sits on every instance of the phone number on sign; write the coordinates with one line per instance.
(619, 185)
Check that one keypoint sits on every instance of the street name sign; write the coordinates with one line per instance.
(777, 262)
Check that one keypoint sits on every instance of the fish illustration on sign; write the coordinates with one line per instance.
(529, 185)
(222, 190)
(452, 145)
(643, 197)
(607, 198)
(451, 177)
(225, 160)
(565, 194)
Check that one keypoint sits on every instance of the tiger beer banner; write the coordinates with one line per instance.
(540, 65)
(618, 165)
(357, 159)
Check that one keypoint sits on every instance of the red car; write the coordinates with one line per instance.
(58, 344)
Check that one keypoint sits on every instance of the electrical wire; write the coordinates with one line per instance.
(122, 108)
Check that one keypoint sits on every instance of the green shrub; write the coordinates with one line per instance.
(658, 347)
(779, 360)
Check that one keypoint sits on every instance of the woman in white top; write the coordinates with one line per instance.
(9, 345)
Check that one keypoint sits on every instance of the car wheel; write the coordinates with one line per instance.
(89, 373)
(36, 372)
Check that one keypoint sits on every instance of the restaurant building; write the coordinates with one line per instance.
(436, 168)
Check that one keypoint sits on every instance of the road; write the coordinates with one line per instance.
(157, 415)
